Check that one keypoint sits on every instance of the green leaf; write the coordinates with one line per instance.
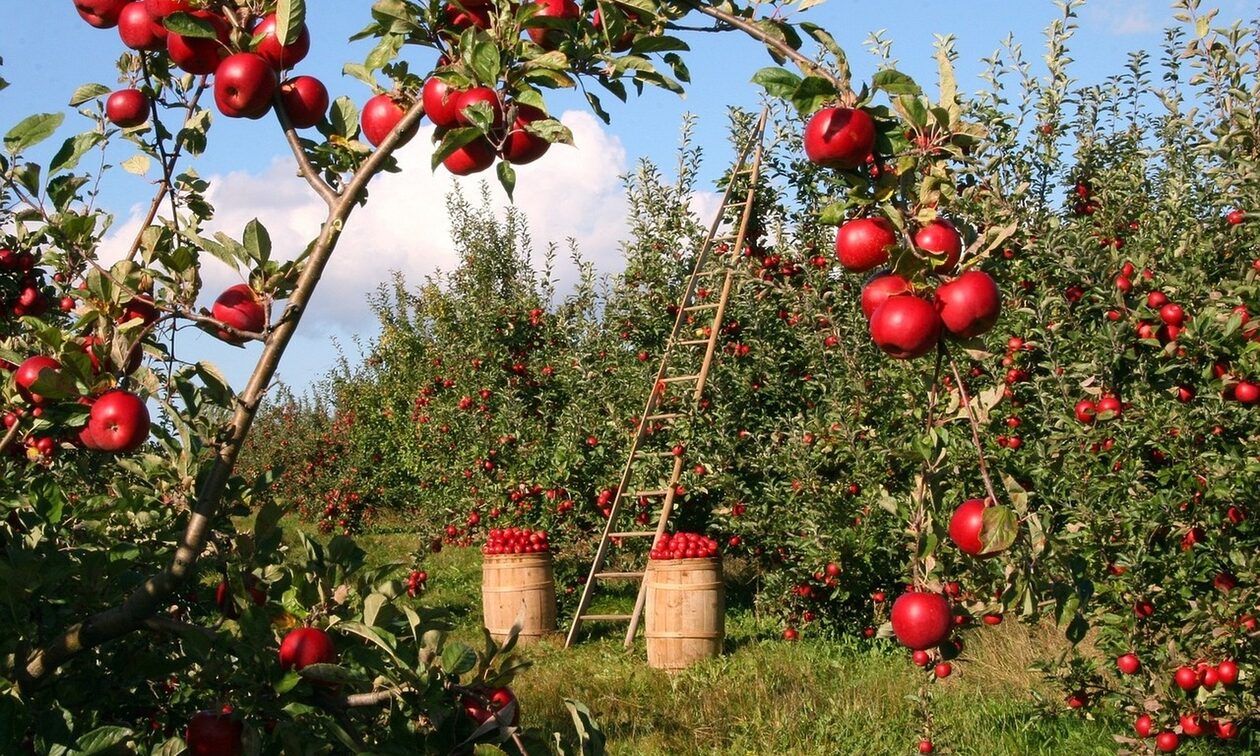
(370, 634)
(102, 740)
(507, 177)
(648, 44)
(454, 139)
(257, 241)
(344, 117)
(187, 25)
(32, 130)
(999, 530)
(458, 658)
(778, 82)
(485, 61)
(372, 606)
(72, 150)
(290, 18)
(895, 83)
(88, 92)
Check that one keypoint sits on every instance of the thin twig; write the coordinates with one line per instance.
(305, 169)
(975, 431)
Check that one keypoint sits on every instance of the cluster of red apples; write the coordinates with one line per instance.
(516, 541)
(247, 66)
(905, 322)
(246, 63)
(684, 546)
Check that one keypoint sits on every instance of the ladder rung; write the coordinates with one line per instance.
(666, 416)
(680, 378)
(697, 308)
(633, 534)
(604, 617)
(619, 575)
(649, 494)
(692, 342)
(642, 453)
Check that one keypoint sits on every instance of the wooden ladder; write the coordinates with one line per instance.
(708, 267)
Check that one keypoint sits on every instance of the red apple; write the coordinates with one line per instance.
(463, 14)
(138, 30)
(1128, 664)
(211, 733)
(196, 55)
(864, 243)
(380, 115)
(1227, 672)
(1235, 217)
(127, 108)
(966, 528)
(839, 137)
(305, 646)
(1247, 392)
(440, 103)
(244, 84)
(474, 96)
(1172, 314)
(906, 326)
(118, 421)
(160, 9)
(1186, 678)
(940, 238)
(140, 308)
(29, 371)
(921, 620)
(474, 157)
(305, 101)
(1143, 726)
(103, 14)
(1086, 411)
(1167, 741)
(520, 146)
(496, 700)
(549, 38)
(969, 304)
(879, 288)
(280, 56)
(225, 601)
(240, 307)
(623, 42)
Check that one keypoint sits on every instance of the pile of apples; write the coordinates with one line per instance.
(516, 541)
(684, 546)
(906, 319)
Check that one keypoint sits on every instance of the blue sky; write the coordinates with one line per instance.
(48, 51)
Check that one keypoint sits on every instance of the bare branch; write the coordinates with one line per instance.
(305, 169)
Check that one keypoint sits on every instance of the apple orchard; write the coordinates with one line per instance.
(993, 358)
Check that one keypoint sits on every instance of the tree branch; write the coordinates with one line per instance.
(305, 169)
(975, 430)
(146, 599)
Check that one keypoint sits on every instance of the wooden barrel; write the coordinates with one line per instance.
(686, 611)
(518, 587)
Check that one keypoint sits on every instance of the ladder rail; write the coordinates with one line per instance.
(752, 149)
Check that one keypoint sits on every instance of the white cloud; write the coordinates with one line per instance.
(1124, 17)
(571, 192)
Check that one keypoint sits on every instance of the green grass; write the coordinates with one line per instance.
(766, 696)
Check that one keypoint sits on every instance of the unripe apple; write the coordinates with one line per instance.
(839, 137)
(244, 84)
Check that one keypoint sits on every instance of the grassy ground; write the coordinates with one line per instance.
(767, 696)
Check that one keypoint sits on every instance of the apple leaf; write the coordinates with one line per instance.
(344, 117)
(290, 18)
(187, 25)
(590, 737)
(102, 740)
(458, 658)
(27, 175)
(87, 92)
(507, 177)
(454, 139)
(551, 130)
(72, 150)
(778, 82)
(649, 44)
(384, 53)
(999, 530)
(257, 241)
(895, 83)
(137, 164)
(594, 102)
(485, 61)
(32, 130)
